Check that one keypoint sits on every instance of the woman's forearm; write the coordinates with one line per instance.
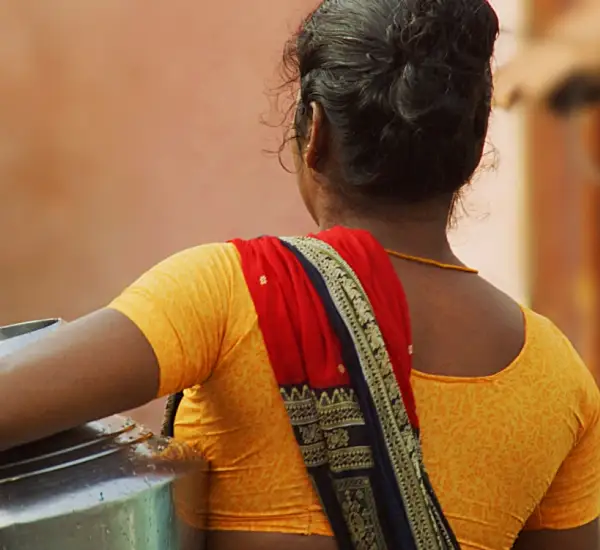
(98, 365)
(585, 537)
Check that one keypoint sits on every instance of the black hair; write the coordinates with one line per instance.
(405, 87)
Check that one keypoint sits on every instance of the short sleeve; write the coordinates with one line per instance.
(573, 498)
(182, 306)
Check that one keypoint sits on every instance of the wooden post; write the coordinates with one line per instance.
(564, 214)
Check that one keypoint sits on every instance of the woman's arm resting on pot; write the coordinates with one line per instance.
(164, 333)
(88, 369)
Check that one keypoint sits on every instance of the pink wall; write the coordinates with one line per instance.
(128, 131)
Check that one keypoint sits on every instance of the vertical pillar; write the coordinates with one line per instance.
(564, 216)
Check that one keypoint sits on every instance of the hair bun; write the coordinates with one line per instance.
(440, 52)
(446, 30)
(405, 87)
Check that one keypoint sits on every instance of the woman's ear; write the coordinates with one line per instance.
(315, 142)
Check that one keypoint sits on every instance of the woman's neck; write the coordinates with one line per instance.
(421, 235)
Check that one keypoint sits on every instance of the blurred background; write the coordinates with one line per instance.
(131, 130)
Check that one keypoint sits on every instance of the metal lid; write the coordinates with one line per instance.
(20, 329)
(83, 444)
(108, 485)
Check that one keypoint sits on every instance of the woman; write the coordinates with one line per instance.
(361, 382)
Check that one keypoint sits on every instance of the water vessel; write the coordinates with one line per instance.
(107, 485)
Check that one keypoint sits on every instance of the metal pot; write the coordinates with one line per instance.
(108, 485)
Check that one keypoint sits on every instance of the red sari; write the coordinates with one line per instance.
(336, 326)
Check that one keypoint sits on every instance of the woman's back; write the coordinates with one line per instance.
(498, 448)
(492, 443)
(296, 354)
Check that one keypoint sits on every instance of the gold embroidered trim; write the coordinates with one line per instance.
(340, 460)
(355, 496)
(323, 423)
(403, 445)
(338, 410)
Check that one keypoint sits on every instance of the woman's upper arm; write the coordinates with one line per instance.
(164, 333)
(567, 516)
(93, 367)
(586, 537)
(182, 308)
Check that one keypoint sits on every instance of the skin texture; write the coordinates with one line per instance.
(582, 538)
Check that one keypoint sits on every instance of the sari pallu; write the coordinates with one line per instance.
(335, 324)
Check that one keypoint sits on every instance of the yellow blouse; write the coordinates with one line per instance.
(519, 449)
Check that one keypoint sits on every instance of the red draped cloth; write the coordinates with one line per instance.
(336, 325)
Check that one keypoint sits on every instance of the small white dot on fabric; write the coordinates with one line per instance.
(263, 280)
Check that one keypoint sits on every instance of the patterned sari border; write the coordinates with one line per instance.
(429, 529)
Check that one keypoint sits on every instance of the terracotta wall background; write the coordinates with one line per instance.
(130, 130)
